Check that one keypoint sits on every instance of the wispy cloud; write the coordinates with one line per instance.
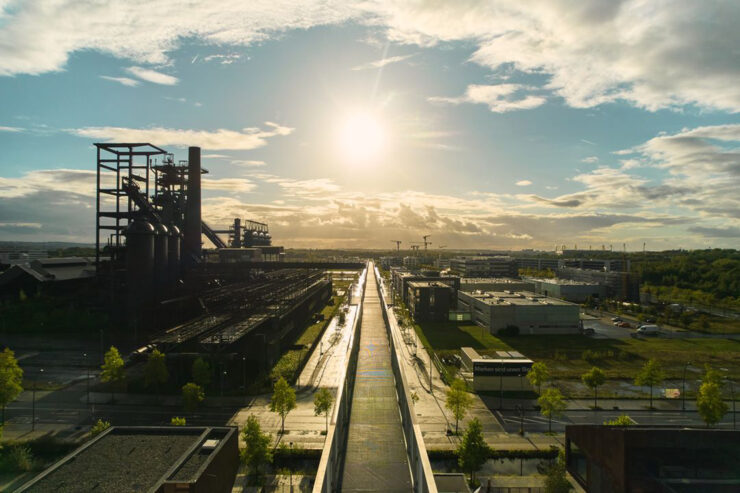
(590, 160)
(11, 129)
(247, 138)
(500, 98)
(382, 62)
(223, 59)
(248, 163)
(523, 183)
(126, 81)
(152, 76)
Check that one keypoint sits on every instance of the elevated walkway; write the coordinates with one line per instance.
(375, 457)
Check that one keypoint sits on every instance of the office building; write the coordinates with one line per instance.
(493, 266)
(429, 300)
(569, 290)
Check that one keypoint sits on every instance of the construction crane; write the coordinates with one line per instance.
(415, 245)
(398, 244)
(426, 243)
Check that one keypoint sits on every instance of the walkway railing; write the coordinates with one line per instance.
(421, 469)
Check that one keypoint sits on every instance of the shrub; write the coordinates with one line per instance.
(99, 428)
(20, 458)
(178, 421)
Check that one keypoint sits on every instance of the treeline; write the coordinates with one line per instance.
(713, 274)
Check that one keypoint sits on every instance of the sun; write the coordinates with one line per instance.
(360, 138)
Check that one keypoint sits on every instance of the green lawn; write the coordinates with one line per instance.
(619, 358)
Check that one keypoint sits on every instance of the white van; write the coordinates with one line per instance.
(648, 330)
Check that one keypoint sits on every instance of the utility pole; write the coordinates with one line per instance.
(33, 401)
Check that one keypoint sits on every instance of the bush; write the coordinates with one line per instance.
(20, 458)
(99, 428)
(177, 421)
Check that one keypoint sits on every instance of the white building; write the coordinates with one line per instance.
(529, 312)
(493, 266)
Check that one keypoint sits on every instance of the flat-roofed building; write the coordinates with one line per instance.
(429, 300)
(620, 285)
(529, 312)
(495, 284)
(568, 289)
(401, 278)
(161, 459)
(506, 371)
(488, 266)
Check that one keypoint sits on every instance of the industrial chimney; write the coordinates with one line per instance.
(192, 241)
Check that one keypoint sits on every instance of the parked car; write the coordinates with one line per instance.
(649, 320)
(588, 331)
(648, 330)
(616, 319)
(625, 325)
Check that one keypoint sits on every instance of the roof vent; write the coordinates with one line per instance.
(210, 444)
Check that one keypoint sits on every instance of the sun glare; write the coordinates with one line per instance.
(360, 138)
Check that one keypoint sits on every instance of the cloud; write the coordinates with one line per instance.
(523, 183)
(121, 80)
(214, 156)
(228, 184)
(590, 160)
(500, 98)
(248, 163)
(221, 139)
(11, 129)
(716, 232)
(223, 59)
(382, 62)
(153, 76)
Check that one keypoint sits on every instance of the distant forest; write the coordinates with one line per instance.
(702, 276)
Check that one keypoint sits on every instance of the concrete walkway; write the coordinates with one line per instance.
(375, 456)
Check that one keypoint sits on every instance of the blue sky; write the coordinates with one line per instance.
(484, 124)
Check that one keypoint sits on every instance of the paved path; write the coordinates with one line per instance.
(375, 457)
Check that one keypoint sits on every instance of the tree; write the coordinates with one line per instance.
(472, 451)
(538, 374)
(593, 379)
(551, 405)
(711, 376)
(556, 480)
(257, 445)
(202, 372)
(709, 403)
(283, 401)
(322, 402)
(112, 370)
(651, 374)
(11, 379)
(621, 420)
(458, 400)
(192, 396)
(155, 371)
(99, 427)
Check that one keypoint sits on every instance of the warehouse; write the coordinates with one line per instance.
(525, 312)
(471, 284)
(569, 290)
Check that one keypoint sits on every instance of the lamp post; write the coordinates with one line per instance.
(87, 380)
(33, 402)
(290, 466)
(431, 384)
(244, 372)
(683, 389)
(223, 379)
(520, 408)
(732, 396)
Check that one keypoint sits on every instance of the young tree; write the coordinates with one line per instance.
(202, 372)
(621, 420)
(322, 402)
(472, 451)
(551, 404)
(155, 371)
(538, 374)
(112, 370)
(283, 401)
(99, 427)
(593, 379)
(709, 403)
(556, 481)
(192, 396)
(257, 445)
(178, 421)
(11, 379)
(458, 400)
(651, 374)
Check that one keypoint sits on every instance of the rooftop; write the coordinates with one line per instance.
(562, 282)
(519, 298)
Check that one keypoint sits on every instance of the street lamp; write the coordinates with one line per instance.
(223, 379)
(520, 408)
(244, 372)
(87, 380)
(33, 402)
(290, 466)
(683, 389)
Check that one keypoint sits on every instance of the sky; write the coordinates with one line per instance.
(487, 125)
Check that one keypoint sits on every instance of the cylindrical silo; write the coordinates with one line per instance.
(140, 258)
(173, 254)
(161, 264)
